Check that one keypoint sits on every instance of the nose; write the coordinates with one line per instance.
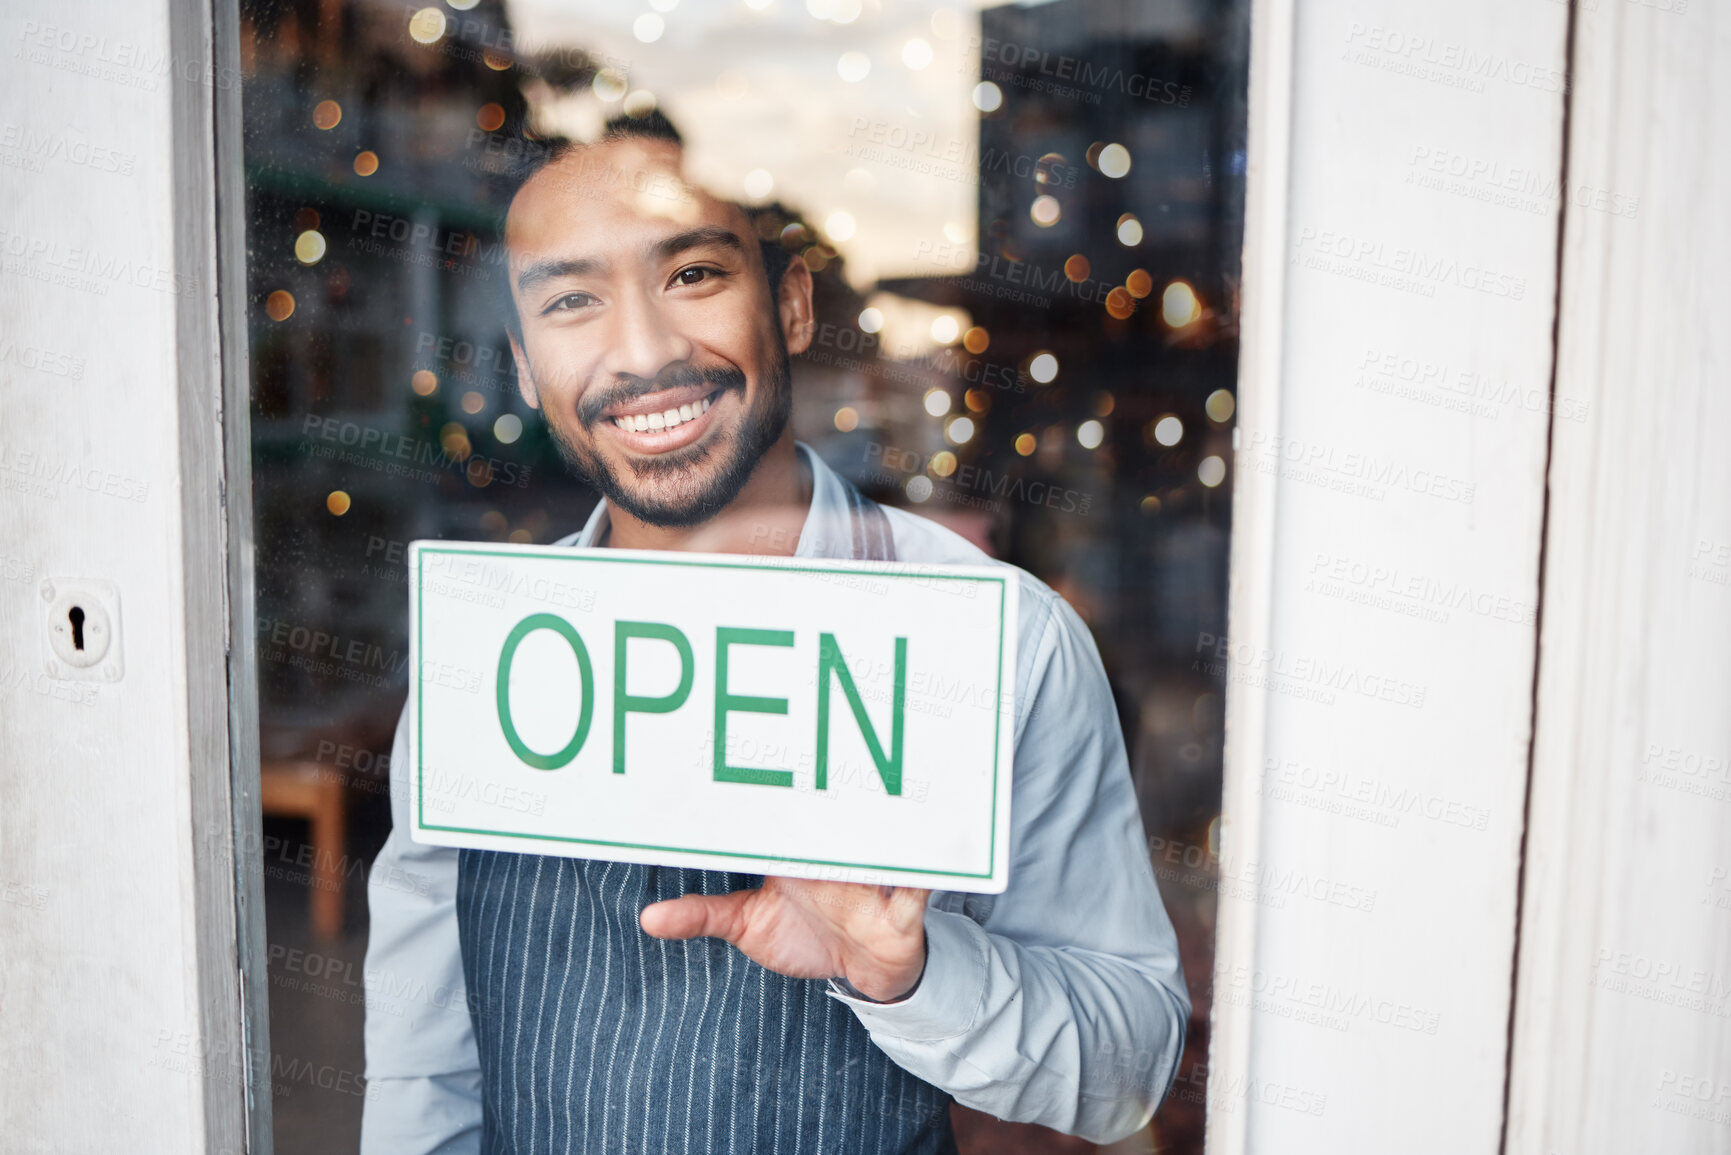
(642, 339)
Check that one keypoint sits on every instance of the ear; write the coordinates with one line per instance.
(794, 306)
(525, 376)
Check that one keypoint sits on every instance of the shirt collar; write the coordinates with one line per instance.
(828, 529)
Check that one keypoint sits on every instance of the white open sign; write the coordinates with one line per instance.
(765, 715)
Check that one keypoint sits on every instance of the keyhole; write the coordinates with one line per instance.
(77, 616)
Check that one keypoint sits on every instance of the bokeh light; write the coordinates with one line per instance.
(839, 225)
(310, 247)
(1090, 433)
(1114, 161)
(454, 440)
(609, 85)
(426, 26)
(280, 305)
(1178, 304)
(1220, 406)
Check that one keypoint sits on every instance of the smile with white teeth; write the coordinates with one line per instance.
(643, 422)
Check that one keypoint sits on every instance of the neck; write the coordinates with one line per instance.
(765, 517)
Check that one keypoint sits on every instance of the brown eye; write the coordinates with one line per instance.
(570, 302)
(692, 276)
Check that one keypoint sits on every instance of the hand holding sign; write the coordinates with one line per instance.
(872, 936)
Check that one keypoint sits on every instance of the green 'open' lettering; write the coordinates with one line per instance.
(502, 690)
(829, 659)
(725, 702)
(625, 703)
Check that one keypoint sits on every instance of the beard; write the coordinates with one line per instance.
(690, 485)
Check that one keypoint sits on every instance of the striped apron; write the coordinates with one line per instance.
(596, 1038)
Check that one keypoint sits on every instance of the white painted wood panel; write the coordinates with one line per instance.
(1623, 1001)
(119, 993)
(1390, 476)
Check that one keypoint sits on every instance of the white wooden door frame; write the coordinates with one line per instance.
(1376, 300)
(1611, 821)
(131, 963)
(1622, 1029)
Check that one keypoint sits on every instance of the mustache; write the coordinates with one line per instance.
(626, 387)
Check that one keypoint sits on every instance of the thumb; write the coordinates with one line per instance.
(695, 915)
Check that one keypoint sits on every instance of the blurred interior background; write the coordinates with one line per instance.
(1024, 223)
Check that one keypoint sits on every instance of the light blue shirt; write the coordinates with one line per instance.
(1059, 1001)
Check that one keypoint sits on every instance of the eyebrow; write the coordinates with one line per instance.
(696, 238)
(537, 273)
(552, 269)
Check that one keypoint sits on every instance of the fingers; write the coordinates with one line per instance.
(696, 915)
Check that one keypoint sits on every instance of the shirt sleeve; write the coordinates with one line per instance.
(423, 1073)
(1064, 1003)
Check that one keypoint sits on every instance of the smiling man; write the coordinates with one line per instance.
(613, 1007)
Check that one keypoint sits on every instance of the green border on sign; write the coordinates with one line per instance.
(600, 556)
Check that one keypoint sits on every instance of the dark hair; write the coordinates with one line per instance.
(537, 154)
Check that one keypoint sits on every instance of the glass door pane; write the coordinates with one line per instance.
(1023, 223)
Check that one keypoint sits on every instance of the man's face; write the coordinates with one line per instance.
(650, 338)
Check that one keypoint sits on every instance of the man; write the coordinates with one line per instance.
(533, 1004)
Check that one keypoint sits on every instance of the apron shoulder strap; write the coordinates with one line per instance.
(872, 539)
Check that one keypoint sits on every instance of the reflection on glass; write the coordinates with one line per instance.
(1023, 225)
